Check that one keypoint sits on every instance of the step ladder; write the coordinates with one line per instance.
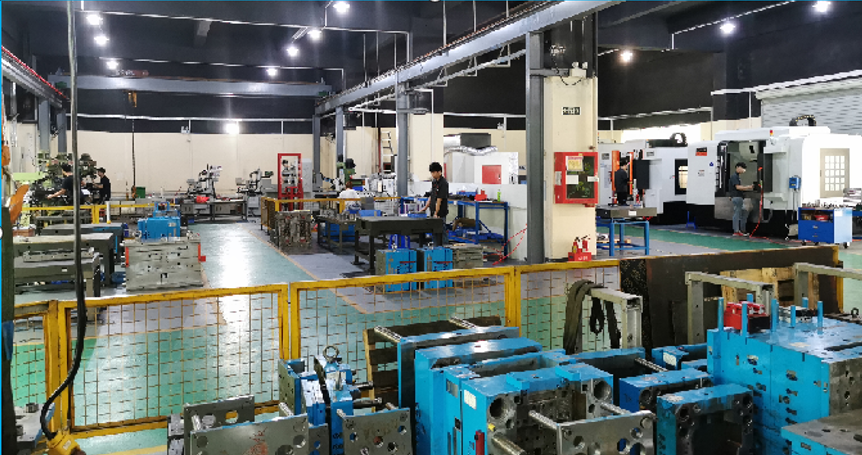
(386, 153)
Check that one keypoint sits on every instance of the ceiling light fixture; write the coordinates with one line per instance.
(112, 64)
(292, 51)
(627, 56)
(271, 72)
(822, 7)
(231, 128)
(341, 7)
(101, 40)
(727, 28)
(94, 19)
(314, 34)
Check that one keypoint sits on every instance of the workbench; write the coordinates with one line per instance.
(118, 229)
(325, 237)
(242, 207)
(33, 274)
(475, 235)
(103, 243)
(215, 207)
(612, 224)
(381, 226)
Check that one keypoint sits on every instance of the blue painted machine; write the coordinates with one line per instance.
(331, 399)
(164, 223)
(709, 420)
(798, 371)
(429, 371)
(434, 260)
(396, 262)
(457, 376)
(549, 411)
(672, 357)
(640, 392)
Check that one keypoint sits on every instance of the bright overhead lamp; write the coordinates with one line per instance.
(727, 28)
(94, 19)
(231, 128)
(112, 64)
(341, 7)
(822, 7)
(101, 40)
(292, 51)
(271, 72)
(626, 56)
(314, 34)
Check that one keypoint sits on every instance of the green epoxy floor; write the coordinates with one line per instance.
(238, 256)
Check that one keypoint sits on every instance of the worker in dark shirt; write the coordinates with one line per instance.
(621, 183)
(104, 185)
(735, 189)
(439, 200)
(68, 185)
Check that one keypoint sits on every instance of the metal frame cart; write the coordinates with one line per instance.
(612, 224)
(826, 225)
(475, 235)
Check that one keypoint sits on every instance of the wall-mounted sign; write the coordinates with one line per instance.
(571, 111)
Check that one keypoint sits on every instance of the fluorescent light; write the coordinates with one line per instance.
(231, 128)
(314, 34)
(627, 56)
(822, 7)
(94, 19)
(112, 64)
(341, 7)
(271, 72)
(101, 40)
(727, 28)
(292, 51)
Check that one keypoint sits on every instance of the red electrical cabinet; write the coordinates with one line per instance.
(576, 178)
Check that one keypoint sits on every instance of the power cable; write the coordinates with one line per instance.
(76, 198)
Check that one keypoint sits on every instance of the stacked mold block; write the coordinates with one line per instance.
(166, 263)
(798, 370)
(292, 230)
(467, 256)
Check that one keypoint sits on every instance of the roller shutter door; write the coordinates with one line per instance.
(840, 110)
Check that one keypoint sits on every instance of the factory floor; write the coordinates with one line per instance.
(239, 254)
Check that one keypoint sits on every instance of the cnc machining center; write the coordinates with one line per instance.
(658, 173)
(794, 165)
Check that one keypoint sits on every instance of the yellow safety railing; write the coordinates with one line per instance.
(146, 355)
(93, 209)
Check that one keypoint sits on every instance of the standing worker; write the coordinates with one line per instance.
(621, 183)
(740, 216)
(439, 200)
(68, 185)
(104, 185)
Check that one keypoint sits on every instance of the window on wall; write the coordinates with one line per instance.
(692, 133)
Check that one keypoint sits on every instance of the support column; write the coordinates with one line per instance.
(44, 125)
(61, 132)
(402, 118)
(535, 152)
(315, 153)
(339, 132)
